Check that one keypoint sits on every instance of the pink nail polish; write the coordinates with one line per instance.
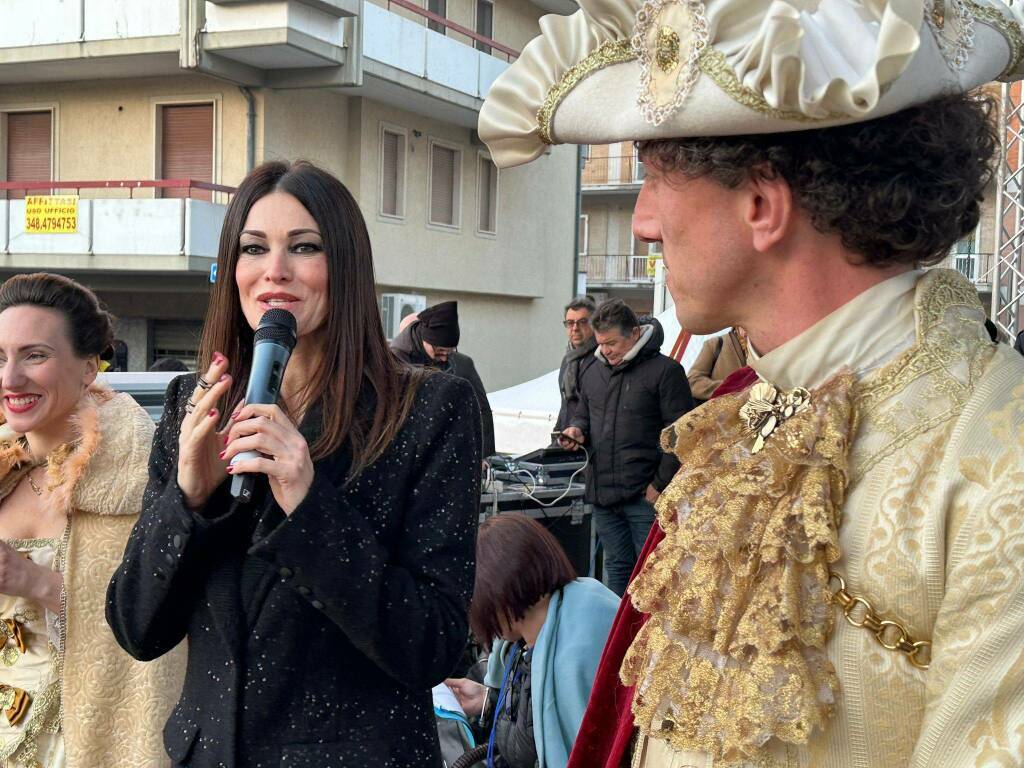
(221, 454)
(212, 413)
(226, 438)
(231, 470)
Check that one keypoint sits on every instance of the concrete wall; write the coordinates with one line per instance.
(531, 254)
(107, 129)
(306, 124)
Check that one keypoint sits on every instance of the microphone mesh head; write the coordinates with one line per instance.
(278, 326)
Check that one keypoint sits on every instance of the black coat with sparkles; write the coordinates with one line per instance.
(313, 640)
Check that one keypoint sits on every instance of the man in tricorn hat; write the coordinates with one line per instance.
(430, 338)
(835, 577)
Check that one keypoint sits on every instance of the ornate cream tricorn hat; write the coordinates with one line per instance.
(619, 70)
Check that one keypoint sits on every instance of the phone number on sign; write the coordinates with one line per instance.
(51, 223)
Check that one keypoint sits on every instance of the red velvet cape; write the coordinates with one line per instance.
(607, 727)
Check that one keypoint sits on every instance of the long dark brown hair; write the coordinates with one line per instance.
(366, 392)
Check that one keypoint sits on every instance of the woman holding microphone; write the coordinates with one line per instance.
(320, 614)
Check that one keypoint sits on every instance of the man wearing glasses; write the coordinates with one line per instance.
(579, 355)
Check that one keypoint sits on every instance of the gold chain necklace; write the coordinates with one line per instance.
(32, 482)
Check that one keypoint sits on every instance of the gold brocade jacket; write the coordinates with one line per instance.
(114, 707)
(931, 534)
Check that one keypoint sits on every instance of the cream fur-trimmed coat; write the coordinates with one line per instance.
(114, 706)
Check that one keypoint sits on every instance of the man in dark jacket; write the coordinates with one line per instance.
(431, 340)
(625, 401)
(578, 356)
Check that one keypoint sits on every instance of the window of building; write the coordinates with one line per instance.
(584, 234)
(439, 7)
(965, 255)
(29, 148)
(186, 146)
(484, 23)
(445, 191)
(392, 172)
(177, 339)
(487, 192)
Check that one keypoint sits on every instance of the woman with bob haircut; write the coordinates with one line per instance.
(319, 615)
(72, 472)
(545, 629)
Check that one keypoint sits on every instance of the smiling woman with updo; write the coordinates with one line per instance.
(72, 472)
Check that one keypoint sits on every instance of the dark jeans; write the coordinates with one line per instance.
(623, 529)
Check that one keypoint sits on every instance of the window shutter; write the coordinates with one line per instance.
(444, 185)
(392, 147)
(488, 190)
(187, 146)
(28, 148)
(178, 339)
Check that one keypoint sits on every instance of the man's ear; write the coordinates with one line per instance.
(769, 211)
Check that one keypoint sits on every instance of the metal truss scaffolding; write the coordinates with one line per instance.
(1008, 264)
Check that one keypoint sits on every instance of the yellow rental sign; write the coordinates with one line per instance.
(51, 214)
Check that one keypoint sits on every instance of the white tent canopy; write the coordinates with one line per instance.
(524, 415)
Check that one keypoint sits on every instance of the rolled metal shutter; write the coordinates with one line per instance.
(29, 148)
(187, 146)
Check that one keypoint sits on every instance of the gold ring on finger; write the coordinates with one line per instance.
(203, 383)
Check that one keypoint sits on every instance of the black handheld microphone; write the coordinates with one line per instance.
(273, 343)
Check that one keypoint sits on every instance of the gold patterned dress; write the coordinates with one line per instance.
(30, 682)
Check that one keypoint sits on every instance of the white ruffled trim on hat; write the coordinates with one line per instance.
(821, 62)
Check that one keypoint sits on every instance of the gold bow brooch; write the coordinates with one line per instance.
(767, 408)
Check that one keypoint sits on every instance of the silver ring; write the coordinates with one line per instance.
(203, 383)
(190, 406)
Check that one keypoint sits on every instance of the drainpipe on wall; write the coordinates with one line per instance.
(250, 128)
(81, 21)
(576, 223)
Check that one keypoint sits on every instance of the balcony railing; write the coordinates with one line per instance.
(200, 190)
(618, 268)
(613, 171)
(976, 267)
(112, 226)
(485, 44)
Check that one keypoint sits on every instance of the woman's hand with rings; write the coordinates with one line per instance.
(200, 470)
(285, 460)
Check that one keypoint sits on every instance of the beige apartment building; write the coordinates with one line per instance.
(106, 97)
(615, 264)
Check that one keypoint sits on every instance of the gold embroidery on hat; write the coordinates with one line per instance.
(952, 26)
(714, 64)
(1009, 30)
(667, 73)
(611, 52)
(667, 54)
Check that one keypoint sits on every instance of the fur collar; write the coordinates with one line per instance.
(112, 436)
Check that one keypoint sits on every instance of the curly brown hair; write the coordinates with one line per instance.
(900, 189)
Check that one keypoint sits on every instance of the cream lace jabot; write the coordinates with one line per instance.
(737, 592)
